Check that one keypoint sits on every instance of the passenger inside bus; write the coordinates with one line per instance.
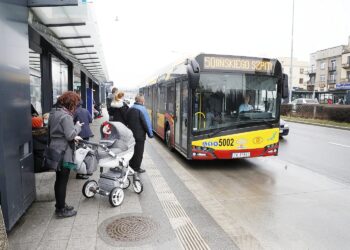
(212, 118)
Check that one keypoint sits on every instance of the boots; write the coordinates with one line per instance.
(64, 213)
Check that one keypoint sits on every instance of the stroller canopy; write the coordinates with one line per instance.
(120, 136)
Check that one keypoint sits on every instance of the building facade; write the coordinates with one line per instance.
(329, 69)
(300, 76)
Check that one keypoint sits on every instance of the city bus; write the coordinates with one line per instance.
(218, 106)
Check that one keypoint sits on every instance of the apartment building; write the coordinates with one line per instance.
(300, 76)
(330, 68)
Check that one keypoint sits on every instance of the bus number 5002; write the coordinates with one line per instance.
(225, 142)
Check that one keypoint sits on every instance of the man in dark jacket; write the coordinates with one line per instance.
(139, 123)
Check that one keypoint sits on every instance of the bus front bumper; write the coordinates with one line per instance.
(212, 154)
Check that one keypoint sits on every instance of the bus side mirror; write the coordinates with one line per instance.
(193, 73)
(285, 88)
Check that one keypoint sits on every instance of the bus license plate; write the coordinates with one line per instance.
(241, 155)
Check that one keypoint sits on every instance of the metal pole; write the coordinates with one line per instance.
(291, 59)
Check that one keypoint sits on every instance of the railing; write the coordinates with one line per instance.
(332, 68)
(331, 81)
(310, 72)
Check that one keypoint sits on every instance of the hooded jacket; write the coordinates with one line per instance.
(118, 111)
(62, 132)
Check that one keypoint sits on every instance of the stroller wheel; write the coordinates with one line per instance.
(127, 183)
(89, 188)
(138, 187)
(116, 197)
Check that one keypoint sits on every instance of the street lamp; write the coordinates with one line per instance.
(291, 59)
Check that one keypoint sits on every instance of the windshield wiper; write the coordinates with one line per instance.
(215, 132)
(267, 122)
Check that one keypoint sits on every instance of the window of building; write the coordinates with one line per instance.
(313, 68)
(301, 70)
(312, 80)
(59, 77)
(322, 65)
(322, 78)
(332, 77)
(333, 64)
(301, 80)
(348, 75)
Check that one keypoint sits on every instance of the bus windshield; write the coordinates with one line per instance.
(225, 100)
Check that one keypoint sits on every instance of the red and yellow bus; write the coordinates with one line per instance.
(218, 106)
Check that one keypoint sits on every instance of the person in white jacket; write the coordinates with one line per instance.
(119, 108)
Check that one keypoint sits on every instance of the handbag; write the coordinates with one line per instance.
(52, 158)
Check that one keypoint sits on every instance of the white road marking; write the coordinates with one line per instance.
(342, 145)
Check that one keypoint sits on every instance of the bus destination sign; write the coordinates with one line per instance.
(237, 63)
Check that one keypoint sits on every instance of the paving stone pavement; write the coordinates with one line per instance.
(40, 229)
(3, 235)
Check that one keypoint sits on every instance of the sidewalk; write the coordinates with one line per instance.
(166, 215)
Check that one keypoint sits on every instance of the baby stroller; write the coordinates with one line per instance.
(114, 151)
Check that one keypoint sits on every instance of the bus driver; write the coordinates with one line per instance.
(244, 107)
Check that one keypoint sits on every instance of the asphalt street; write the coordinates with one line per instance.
(298, 200)
(320, 149)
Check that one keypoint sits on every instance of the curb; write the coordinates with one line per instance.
(317, 124)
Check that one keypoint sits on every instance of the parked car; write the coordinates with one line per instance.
(284, 128)
(303, 101)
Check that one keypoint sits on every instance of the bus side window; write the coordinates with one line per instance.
(170, 98)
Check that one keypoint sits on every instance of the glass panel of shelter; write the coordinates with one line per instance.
(35, 80)
(59, 77)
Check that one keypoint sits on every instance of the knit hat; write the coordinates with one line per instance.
(37, 122)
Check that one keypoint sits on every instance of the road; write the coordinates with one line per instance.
(298, 200)
(323, 150)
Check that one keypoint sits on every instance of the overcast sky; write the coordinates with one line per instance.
(140, 37)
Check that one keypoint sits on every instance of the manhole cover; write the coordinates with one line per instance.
(129, 228)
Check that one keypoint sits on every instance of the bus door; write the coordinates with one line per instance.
(177, 114)
(154, 106)
(184, 115)
(181, 112)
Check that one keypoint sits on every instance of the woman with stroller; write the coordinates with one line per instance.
(63, 132)
(119, 108)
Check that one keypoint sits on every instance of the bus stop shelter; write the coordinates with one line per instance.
(47, 47)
